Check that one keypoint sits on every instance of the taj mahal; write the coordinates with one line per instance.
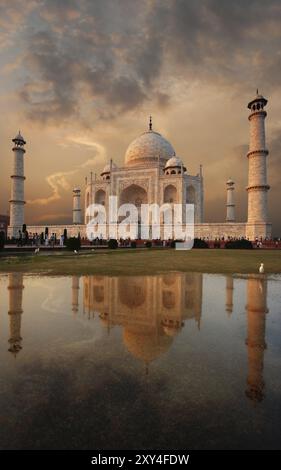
(154, 173)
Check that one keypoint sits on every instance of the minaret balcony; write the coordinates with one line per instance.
(257, 152)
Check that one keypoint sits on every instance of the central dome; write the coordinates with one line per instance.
(147, 148)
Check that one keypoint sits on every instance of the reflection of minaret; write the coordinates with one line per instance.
(193, 297)
(229, 294)
(75, 293)
(15, 288)
(256, 310)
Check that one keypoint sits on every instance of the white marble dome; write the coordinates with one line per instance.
(147, 148)
(173, 162)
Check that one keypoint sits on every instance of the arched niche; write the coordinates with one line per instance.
(190, 195)
(170, 194)
(100, 197)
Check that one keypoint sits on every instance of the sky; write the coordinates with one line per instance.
(80, 79)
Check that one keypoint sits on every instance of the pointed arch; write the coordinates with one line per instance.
(190, 195)
(100, 197)
(170, 194)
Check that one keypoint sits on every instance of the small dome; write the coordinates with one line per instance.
(19, 138)
(174, 162)
(148, 148)
(107, 168)
(171, 330)
(104, 319)
(172, 327)
(257, 98)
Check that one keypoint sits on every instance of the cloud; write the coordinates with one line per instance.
(60, 182)
(85, 61)
(57, 182)
(119, 55)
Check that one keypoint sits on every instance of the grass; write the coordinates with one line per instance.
(145, 261)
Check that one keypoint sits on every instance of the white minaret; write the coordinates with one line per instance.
(77, 219)
(257, 225)
(230, 206)
(17, 201)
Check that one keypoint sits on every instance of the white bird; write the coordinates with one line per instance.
(261, 268)
(36, 250)
(76, 252)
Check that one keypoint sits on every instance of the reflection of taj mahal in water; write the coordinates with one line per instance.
(152, 311)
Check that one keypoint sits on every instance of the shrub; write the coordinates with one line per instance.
(133, 244)
(198, 243)
(112, 244)
(148, 244)
(73, 243)
(2, 240)
(242, 244)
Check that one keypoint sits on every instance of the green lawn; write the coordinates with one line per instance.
(146, 261)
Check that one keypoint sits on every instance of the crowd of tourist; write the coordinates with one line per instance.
(51, 240)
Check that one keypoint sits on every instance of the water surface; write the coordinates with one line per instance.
(170, 361)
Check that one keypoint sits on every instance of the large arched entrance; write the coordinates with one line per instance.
(134, 194)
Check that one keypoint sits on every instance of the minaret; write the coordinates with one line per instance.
(17, 201)
(230, 206)
(75, 293)
(15, 288)
(77, 218)
(201, 209)
(257, 225)
(229, 294)
(256, 315)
